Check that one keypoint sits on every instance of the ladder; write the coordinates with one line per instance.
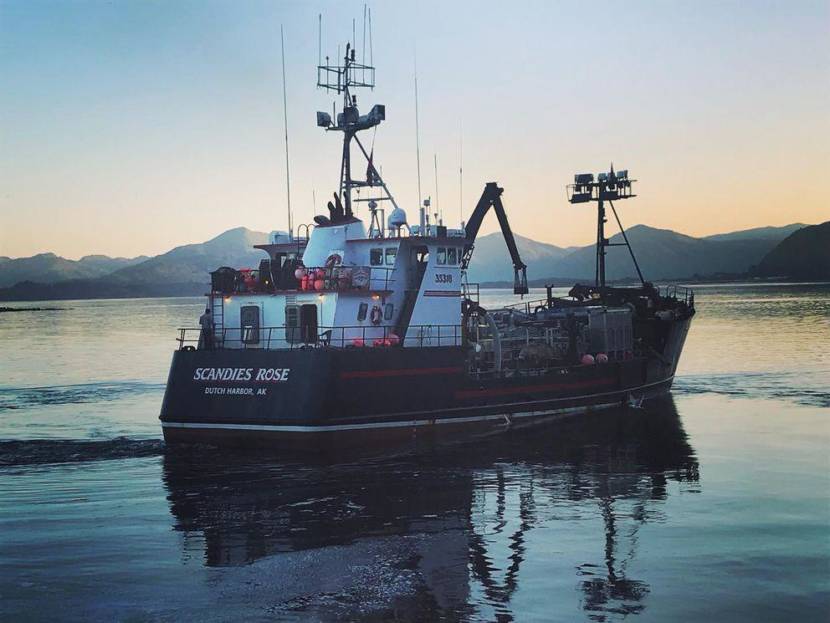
(217, 310)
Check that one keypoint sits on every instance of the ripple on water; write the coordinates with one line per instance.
(22, 397)
(807, 387)
(41, 451)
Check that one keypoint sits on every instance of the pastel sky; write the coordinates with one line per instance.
(129, 127)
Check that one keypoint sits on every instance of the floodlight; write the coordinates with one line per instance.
(583, 178)
(378, 112)
(323, 119)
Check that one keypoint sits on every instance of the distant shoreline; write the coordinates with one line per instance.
(742, 279)
(24, 309)
(491, 285)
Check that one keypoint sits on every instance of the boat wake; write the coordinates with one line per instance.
(23, 397)
(15, 453)
(805, 387)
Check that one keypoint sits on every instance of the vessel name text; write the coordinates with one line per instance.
(270, 375)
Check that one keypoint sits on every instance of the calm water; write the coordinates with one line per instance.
(714, 504)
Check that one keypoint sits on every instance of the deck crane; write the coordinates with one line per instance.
(491, 198)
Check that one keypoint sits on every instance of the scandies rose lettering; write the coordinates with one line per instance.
(238, 375)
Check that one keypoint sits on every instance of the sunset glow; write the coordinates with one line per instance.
(129, 128)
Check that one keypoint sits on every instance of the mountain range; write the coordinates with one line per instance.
(795, 250)
(49, 268)
(661, 254)
(804, 254)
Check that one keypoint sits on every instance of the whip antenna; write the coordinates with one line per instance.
(461, 173)
(371, 56)
(285, 122)
(438, 209)
(417, 132)
(363, 53)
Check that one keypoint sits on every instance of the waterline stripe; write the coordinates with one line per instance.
(282, 428)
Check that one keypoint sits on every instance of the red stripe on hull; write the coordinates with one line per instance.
(505, 391)
(373, 374)
(453, 293)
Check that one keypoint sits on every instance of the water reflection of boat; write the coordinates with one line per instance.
(473, 509)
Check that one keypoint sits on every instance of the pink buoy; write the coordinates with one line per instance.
(587, 360)
(393, 339)
(304, 283)
(602, 358)
(378, 342)
(358, 341)
(319, 285)
(300, 273)
(321, 273)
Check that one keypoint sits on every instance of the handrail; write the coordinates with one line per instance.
(334, 279)
(291, 338)
(471, 291)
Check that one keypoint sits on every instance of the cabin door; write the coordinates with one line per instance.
(308, 323)
(249, 322)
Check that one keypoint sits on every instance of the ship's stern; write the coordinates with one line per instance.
(222, 395)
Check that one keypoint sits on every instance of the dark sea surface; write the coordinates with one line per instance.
(710, 505)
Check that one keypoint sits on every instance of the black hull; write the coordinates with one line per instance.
(329, 396)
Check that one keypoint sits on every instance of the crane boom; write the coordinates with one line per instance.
(491, 198)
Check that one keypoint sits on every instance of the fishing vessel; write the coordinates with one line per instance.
(348, 332)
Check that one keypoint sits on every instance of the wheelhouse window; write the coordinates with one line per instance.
(442, 256)
(388, 309)
(391, 254)
(362, 311)
(452, 256)
(376, 257)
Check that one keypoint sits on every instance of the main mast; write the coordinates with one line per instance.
(343, 79)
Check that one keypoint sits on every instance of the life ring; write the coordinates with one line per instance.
(377, 315)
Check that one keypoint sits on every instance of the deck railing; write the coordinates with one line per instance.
(471, 291)
(679, 293)
(671, 291)
(290, 338)
(323, 279)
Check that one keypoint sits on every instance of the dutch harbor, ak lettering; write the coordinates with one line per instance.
(260, 375)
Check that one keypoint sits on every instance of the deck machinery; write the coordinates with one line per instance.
(346, 332)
